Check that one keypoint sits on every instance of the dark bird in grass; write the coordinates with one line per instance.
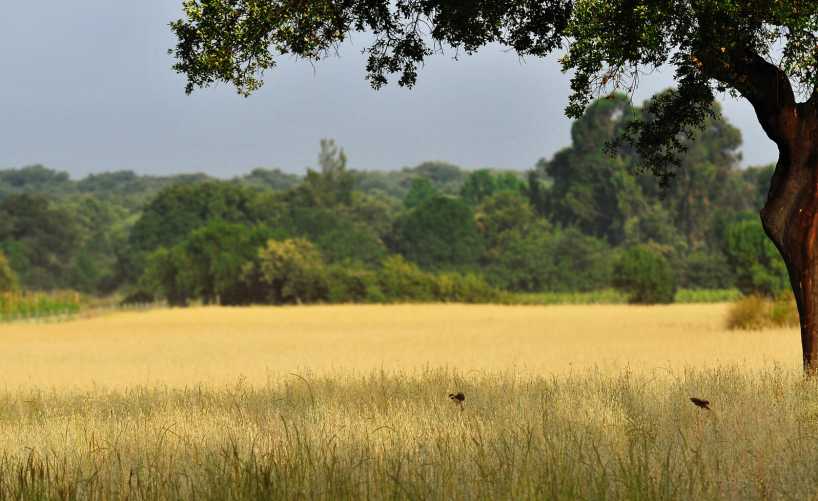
(458, 399)
(700, 403)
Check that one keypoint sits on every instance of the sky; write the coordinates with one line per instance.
(86, 86)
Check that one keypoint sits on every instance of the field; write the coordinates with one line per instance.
(349, 402)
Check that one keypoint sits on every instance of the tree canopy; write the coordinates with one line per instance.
(738, 46)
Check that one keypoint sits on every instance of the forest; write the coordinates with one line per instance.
(581, 221)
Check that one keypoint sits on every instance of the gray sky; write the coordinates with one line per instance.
(86, 86)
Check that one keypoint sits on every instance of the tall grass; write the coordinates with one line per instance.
(380, 435)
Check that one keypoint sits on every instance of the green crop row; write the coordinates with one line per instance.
(16, 306)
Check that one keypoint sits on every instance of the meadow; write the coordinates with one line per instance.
(350, 402)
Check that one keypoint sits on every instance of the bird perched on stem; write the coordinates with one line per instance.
(458, 399)
(701, 403)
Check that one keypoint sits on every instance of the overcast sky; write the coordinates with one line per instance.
(86, 86)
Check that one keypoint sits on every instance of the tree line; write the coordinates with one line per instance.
(579, 221)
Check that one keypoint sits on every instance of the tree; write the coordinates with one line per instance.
(176, 211)
(478, 186)
(214, 257)
(701, 185)
(273, 179)
(558, 261)
(291, 269)
(333, 185)
(421, 190)
(763, 51)
(754, 259)
(501, 214)
(655, 231)
(644, 276)
(536, 194)
(439, 233)
(84, 274)
(208, 264)
(31, 224)
(591, 190)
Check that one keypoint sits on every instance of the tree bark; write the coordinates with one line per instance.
(790, 216)
(790, 219)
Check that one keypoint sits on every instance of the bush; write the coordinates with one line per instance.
(758, 311)
(402, 282)
(644, 276)
(469, 288)
(601, 296)
(293, 269)
(350, 283)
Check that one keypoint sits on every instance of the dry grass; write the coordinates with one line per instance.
(178, 347)
(398, 436)
(199, 404)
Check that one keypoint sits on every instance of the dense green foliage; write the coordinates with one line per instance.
(8, 280)
(759, 50)
(439, 233)
(755, 261)
(420, 191)
(644, 276)
(432, 232)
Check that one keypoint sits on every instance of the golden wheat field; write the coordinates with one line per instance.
(350, 402)
(178, 347)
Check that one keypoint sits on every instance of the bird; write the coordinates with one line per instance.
(701, 403)
(458, 399)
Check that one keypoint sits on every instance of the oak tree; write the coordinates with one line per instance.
(761, 50)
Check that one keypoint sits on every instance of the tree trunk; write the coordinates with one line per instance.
(790, 216)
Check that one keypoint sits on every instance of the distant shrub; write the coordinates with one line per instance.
(293, 270)
(348, 283)
(759, 311)
(469, 288)
(402, 281)
(644, 276)
(601, 296)
(750, 313)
